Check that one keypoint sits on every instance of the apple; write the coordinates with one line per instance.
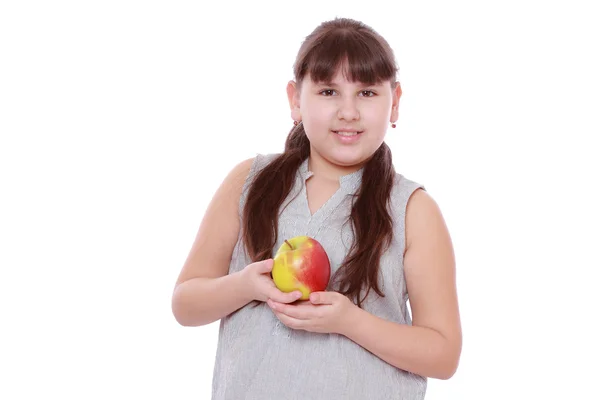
(301, 263)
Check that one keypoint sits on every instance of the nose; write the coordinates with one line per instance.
(348, 109)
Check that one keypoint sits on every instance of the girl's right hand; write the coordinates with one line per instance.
(262, 287)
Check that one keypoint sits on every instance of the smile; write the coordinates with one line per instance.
(348, 137)
(347, 133)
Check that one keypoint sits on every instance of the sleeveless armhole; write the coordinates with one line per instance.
(406, 188)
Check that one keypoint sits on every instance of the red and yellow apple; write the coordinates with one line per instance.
(301, 263)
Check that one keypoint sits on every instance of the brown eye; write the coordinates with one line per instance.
(327, 92)
(368, 93)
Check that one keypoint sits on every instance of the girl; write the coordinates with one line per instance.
(385, 237)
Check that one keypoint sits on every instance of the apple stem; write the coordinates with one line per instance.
(288, 243)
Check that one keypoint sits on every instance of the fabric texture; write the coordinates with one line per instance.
(258, 358)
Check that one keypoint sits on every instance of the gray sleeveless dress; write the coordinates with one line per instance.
(258, 358)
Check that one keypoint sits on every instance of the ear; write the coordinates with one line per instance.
(396, 93)
(294, 100)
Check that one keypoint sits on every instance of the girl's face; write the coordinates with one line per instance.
(345, 121)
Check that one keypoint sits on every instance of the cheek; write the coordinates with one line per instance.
(315, 131)
(377, 114)
(377, 120)
(317, 122)
(318, 110)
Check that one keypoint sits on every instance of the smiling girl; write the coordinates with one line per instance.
(385, 236)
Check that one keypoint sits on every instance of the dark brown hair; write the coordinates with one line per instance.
(367, 58)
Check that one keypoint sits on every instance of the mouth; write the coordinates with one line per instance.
(347, 133)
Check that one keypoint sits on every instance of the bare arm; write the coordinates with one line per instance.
(204, 291)
(432, 345)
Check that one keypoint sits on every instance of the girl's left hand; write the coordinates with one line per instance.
(324, 312)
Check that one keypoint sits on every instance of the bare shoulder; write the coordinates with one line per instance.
(219, 229)
(423, 218)
(234, 181)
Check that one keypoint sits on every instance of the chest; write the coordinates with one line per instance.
(318, 193)
(322, 211)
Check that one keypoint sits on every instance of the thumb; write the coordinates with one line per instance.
(265, 265)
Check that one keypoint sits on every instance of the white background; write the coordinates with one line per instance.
(118, 120)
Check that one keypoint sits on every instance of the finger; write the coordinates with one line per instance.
(289, 321)
(323, 297)
(301, 311)
(282, 297)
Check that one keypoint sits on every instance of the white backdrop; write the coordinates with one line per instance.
(119, 119)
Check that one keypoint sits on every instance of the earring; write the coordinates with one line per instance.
(393, 125)
(295, 123)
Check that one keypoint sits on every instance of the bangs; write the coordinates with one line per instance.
(360, 55)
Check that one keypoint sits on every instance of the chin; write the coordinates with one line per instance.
(346, 160)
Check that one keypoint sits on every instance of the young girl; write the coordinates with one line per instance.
(385, 237)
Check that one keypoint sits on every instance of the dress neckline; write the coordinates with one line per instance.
(349, 183)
